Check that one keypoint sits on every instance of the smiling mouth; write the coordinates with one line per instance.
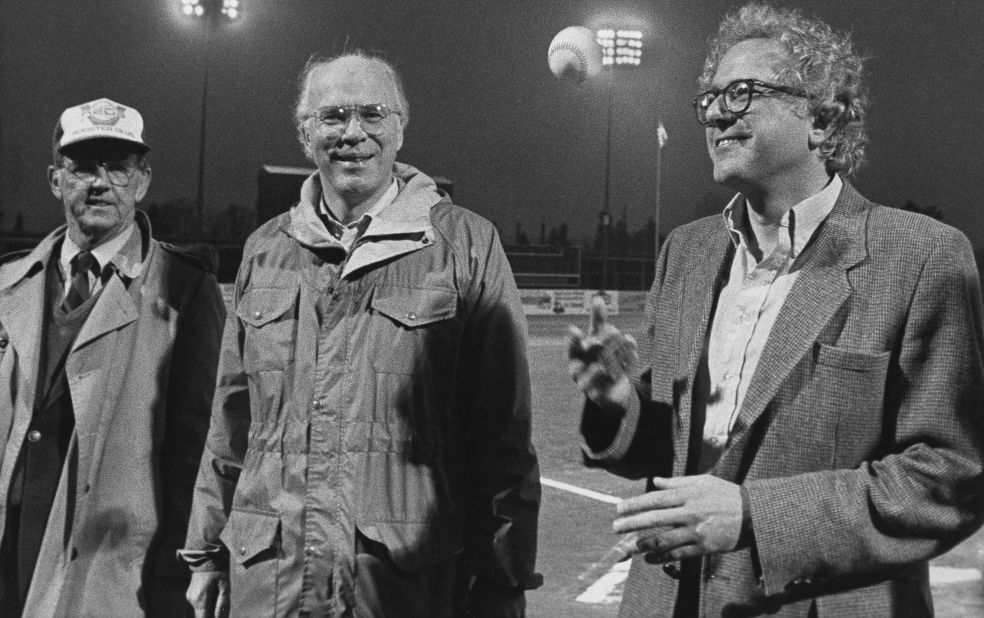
(724, 142)
(352, 158)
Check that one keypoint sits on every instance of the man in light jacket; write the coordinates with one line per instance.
(370, 449)
(108, 346)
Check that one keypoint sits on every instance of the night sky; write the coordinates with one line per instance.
(485, 110)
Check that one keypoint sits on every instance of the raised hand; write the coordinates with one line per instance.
(603, 361)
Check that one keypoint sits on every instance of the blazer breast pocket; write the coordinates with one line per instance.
(851, 360)
(851, 388)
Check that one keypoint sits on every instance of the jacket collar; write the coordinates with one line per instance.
(401, 227)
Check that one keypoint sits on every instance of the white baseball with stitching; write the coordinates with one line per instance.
(574, 54)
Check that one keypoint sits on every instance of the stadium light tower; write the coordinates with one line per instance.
(209, 11)
(620, 48)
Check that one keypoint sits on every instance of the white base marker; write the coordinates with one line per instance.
(587, 493)
(608, 589)
(941, 576)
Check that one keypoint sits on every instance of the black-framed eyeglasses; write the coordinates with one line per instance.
(331, 121)
(738, 96)
(118, 171)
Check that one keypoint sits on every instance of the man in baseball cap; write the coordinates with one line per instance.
(108, 346)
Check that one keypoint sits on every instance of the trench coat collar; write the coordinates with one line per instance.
(21, 310)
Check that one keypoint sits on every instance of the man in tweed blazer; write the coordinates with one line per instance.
(809, 422)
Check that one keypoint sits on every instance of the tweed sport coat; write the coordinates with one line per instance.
(860, 439)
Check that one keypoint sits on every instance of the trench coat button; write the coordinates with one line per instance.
(309, 550)
(411, 316)
(3, 342)
(672, 569)
(257, 315)
(316, 404)
(426, 240)
(34, 435)
(242, 550)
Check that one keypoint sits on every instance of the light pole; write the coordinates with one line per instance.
(619, 48)
(210, 11)
(660, 142)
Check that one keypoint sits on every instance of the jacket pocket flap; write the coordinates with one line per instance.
(411, 546)
(248, 533)
(414, 307)
(849, 359)
(261, 305)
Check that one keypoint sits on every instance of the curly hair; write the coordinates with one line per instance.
(317, 61)
(820, 61)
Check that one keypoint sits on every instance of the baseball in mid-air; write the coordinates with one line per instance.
(574, 54)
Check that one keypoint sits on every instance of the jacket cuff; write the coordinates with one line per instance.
(202, 560)
(492, 600)
(595, 452)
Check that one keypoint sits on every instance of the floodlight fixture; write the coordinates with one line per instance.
(620, 47)
(230, 9)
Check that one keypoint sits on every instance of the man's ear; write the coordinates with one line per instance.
(54, 181)
(143, 183)
(302, 137)
(827, 120)
(399, 134)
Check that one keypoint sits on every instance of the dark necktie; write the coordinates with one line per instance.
(82, 264)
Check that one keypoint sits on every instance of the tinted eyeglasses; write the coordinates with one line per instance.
(118, 171)
(331, 121)
(738, 96)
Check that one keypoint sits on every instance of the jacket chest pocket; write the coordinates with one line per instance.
(269, 319)
(412, 330)
(853, 393)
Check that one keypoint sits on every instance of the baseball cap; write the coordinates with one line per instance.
(102, 118)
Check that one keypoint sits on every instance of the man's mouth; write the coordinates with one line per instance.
(352, 158)
(729, 140)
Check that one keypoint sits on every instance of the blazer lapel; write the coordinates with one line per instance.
(700, 290)
(821, 288)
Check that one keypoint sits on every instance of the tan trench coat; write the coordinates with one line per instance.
(141, 376)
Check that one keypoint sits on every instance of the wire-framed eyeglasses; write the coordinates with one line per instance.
(738, 96)
(332, 121)
(118, 171)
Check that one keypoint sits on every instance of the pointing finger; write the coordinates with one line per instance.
(599, 315)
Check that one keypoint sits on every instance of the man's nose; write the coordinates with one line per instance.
(101, 177)
(718, 114)
(353, 129)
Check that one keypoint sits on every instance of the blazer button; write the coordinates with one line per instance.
(3, 342)
(257, 315)
(411, 316)
(242, 550)
(34, 435)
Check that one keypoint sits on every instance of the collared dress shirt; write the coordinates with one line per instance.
(116, 251)
(349, 234)
(748, 306)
